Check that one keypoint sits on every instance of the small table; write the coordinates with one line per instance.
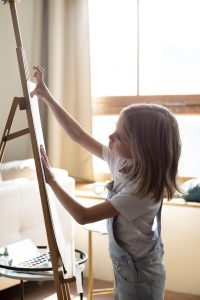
(99, 227)
(41, 274)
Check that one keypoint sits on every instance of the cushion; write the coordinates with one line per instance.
(18, 169)
(60, 173)
(13, 182)
(191, 189)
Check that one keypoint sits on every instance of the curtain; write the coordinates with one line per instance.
(39, 55)
(68, 74)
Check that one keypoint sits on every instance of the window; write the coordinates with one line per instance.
(113, 44)
(147, 51)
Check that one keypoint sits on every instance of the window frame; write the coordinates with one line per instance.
(179, 104)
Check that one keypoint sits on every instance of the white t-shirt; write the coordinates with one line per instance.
(135, 227)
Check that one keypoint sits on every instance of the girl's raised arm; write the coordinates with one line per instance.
(67, 122)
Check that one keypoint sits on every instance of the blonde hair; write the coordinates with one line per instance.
(156, 147)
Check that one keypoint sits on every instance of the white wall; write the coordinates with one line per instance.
(180, 231)
(182, 248)
(10, 84)
(102, 266)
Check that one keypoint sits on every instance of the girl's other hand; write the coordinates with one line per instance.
(49, 176)
(41, 89)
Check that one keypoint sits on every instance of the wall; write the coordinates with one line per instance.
(182, 248)
(180, 231)
(10, 84)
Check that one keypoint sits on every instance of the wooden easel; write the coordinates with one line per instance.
(24, 103)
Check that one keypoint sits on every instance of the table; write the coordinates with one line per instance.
(99, 227)
(42, 274)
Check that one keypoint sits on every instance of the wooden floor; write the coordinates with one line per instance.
(45, 291)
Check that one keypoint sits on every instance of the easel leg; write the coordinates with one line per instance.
(66, 293)
(8, 127)
(90, 266)
(6, 134)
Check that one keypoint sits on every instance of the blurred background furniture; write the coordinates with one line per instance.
(21, 214)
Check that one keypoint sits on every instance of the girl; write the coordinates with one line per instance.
(142, 155)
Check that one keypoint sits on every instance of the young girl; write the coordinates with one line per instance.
(142, 155)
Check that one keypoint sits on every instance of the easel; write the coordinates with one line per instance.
(24, 103)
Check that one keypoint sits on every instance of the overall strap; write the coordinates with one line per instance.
(110, 186)
(158, 216)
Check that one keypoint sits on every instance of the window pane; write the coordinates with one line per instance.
(113, 47)
(189, 126)
(190, 159)
(169, 47)
(103, 126)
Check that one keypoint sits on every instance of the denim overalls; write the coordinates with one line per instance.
(136, 278)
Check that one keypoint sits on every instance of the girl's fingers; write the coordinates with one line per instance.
(44, 162)
(42, 149)
(32, 93)
(39, 69)
(38, 72)
(37, 75)
(44, 156)
(46, 166)
(43, 153)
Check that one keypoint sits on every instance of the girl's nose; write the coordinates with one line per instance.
(111, 136)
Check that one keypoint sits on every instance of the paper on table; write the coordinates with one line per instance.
(21, 251)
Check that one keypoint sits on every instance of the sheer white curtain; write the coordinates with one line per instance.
(69, 81)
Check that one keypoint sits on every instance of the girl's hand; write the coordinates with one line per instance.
(41, 89)
(49, 176)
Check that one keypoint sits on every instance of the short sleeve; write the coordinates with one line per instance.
(132, 207)
(108, 156)
(114, 162)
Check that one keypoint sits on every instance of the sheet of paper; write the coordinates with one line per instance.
(21, 251)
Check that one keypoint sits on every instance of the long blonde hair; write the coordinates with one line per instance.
(156, 146)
